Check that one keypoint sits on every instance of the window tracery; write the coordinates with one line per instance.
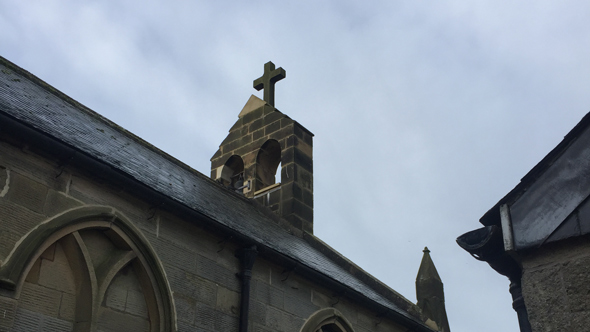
(89, 275)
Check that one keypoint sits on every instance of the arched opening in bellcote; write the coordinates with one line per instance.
(232, 174)
(267, 163)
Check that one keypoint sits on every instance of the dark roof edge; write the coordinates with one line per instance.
(302, 127)
(297, 122)
(48, 87)
(363, 275)
(492, 216)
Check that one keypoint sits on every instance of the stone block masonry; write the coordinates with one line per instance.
(555, 286)
(264, 138)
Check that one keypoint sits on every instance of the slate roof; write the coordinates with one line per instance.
(32, 102)
(551, 201)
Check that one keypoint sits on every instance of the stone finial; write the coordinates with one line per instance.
(267, 81)
(430, 292)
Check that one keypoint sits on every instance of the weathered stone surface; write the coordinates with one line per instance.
(8, 310)
(8, 239)
(33, 166)
(99, 246)
(26, 192)
(543, 293)
(67, 308)
(272, 118)
(251, 116)
(89, 192)
(268, 294)
(298, 298)
(271, 128)
(191, 285)
(304, 148)
(286, 122)
(136, 304)
(257, 134)
(254, 126)
(555, 287)
(168, 252)
(228, 301)
(577, 287)
(275, 319)
(18, 219)
(26, 321)
(365, 320)
(225, 322)
(238, 124)
(115, 299)
(125, 294)
(58, 202)
(56, 274)
(252, 104)
(4, 181)
(209, 269)
(40, 299)
(205, 317)
(111, 320)
(185, 308)
(258, 312)
(53, 324)
(320, 300)
(347, 309)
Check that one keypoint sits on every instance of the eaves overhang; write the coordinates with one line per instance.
(545, 205)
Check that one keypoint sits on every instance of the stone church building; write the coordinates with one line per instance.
(538, 235)
(101, 231)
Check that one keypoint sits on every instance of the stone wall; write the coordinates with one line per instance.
(555, 286)
(200, 265)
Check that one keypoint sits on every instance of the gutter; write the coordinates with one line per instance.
(488, 244)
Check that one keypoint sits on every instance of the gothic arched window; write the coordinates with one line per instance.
(90, 275)
(327, 320)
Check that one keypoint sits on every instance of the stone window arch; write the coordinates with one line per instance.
(327, 320)
(267, 161)
(86, 270)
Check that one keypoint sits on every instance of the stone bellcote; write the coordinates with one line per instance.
(267, 156)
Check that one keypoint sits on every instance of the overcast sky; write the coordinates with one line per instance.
(425, 113)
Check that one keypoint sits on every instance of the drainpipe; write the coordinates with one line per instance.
(247, 256)
(519, 306)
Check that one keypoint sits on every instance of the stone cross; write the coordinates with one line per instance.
(268, 80)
